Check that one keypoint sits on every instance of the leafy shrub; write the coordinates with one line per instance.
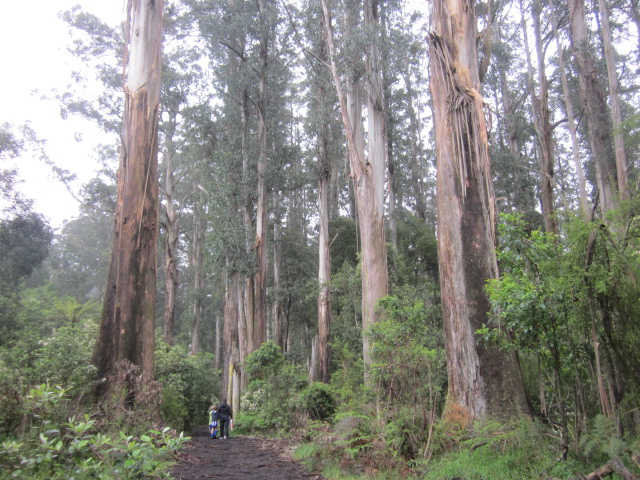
(271, 399)
(11, 388)
(318, 401)
(407, 370)
(508, 452)
(65, 357)
(189, 382)
(52, 448)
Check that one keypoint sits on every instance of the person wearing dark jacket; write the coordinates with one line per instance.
(225, 415)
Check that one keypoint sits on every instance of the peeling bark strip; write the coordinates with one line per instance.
(467, 122)
(127, 324)
(482, 379)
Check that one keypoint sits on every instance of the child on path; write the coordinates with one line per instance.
(213, 421)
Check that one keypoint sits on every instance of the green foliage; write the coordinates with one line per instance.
(417, 258)
(343, 247)
(65, 357)
(603, 442)
(11, 389)
(346, 335)
(507, 452)
(189, 382)
(556, 296)
(265, 362)
(271, 401)
(25, 240)
(53, 448)
(407, 369)
(318, 401)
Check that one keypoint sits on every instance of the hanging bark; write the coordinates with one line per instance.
(593, 98)
(127, 325)
(482, 379)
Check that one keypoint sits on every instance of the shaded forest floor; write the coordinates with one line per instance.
(237, 457)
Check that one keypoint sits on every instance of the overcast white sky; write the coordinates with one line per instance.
(34, 57)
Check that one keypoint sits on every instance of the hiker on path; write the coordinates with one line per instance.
(213, 421)
(225, 415)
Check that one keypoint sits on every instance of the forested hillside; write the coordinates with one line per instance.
(405, 235)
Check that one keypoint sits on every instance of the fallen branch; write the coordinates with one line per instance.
(614, 466)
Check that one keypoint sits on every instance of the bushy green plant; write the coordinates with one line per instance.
(52, 448)
(318, 401)
(507, 452)
(407, 370)
(189, 382)
(271, 400)
(11, 399)
(65, 357)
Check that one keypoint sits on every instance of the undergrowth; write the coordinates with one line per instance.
(489, 451)
(78, 448)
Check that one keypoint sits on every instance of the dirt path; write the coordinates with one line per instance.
(237, 458)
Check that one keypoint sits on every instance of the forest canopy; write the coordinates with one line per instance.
(408, 239)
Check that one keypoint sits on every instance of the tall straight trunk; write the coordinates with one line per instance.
(371, 192)
(127, 324)
(614, 99)
(483, 380)
(260, 284)
(594, 104)
(217, 347)
(247, 309)
(324, 259)
(197, 254)
(368, 177)
(171, 253)
(395, 200)
(543, 128)
(231, 320)
(277, 313)
(321, 105)
(571, 126)
(393, 197)
(414, 128)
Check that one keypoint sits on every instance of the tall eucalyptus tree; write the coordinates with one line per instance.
(127, 325)
(483, 380)
(368, 172)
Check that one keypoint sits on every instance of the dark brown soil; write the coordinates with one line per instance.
(238, 458)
